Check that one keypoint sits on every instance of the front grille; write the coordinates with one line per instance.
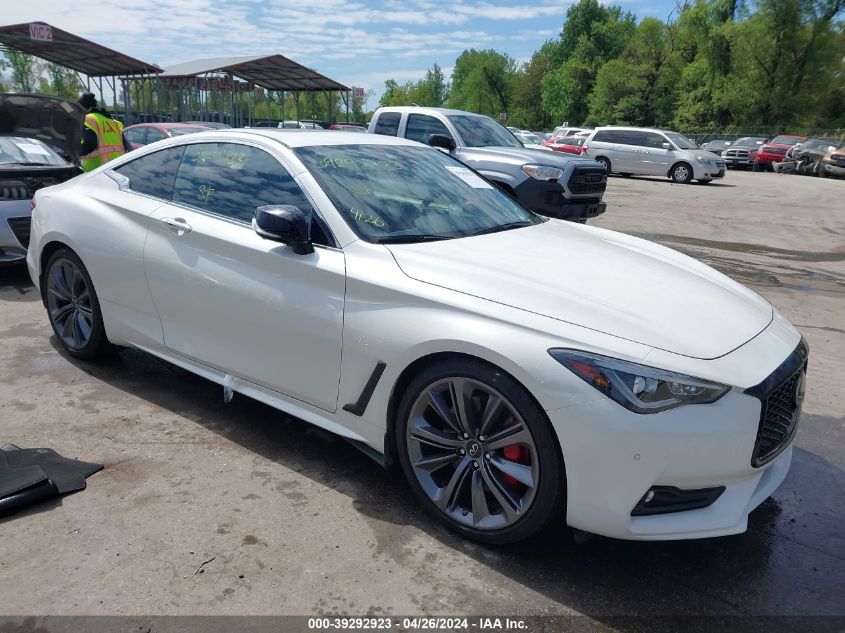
(587, 181)
(781, 396)
(20, 227)
(737, 153)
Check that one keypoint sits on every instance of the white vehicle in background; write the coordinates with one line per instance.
(528, 138)
(651, 152)
(518, 368)
(568, 131)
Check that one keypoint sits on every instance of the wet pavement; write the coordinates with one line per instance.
(295, 521)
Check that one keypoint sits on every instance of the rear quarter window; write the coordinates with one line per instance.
(387, 123)
(153, 174)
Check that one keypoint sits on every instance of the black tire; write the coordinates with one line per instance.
(604, 161)
(96, 344)
(548, 499)
(756, 167)
(681, 173)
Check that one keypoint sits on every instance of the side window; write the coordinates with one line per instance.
(153, 174)
(652, 139)
(388, 123)
(135, 135)
(231, 180)
(421, 127)
(630, 137)
(154, 135)
(607, 136)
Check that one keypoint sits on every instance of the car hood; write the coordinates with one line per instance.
(599, 279)
(526, 156)
(50, 119)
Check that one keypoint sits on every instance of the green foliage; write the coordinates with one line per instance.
(432, 90)
(483, 81)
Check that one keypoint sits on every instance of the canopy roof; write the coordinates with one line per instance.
(272, 72)
(69, 50)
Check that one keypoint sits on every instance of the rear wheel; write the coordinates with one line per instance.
(479, 452)
(605, 162)
(72, 306)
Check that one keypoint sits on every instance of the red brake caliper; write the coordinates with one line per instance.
(515, 453)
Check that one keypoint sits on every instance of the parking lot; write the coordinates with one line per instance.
(213, 508)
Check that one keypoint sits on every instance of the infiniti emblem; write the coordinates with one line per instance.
(473, 449)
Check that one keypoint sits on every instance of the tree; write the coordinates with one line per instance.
(591, 36)
(483, 81)
(24, 71)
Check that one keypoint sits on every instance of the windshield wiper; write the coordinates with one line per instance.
(500, 227)
(410, 239)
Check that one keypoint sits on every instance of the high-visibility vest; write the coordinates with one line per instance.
(109, 140)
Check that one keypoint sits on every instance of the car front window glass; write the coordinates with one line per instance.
(400, 191)
(231, 180)
(421, 127)
(681, 141)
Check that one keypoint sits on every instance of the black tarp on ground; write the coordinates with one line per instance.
(30, 475)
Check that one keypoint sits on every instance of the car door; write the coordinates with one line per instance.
(623, 153)
(654, 158)
(237, 302)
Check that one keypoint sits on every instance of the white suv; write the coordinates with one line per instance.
(649, 152)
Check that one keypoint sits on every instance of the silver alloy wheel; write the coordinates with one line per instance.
(472, 453)
(681, 173)
(69, 304)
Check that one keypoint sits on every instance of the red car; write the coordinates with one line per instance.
(775, 150)
(146, 133)
(567, 144)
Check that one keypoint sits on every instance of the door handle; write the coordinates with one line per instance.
(177, 225)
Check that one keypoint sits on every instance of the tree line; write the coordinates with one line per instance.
(727, 65)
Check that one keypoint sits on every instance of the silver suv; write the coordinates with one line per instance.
(548, 183)
(649, 152)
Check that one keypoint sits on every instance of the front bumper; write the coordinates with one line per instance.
(14, 230)
(549, 199)
(736, 161)
(768, 159)
(613, 457)
(709, 172)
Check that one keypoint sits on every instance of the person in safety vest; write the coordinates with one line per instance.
(102, 136)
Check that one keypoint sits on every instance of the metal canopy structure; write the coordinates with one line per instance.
(221, 89)
(71, 51)
(192, 85)
(272, 72)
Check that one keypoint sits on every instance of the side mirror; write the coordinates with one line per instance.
(666, 146)
(285, 223)
(441, 141)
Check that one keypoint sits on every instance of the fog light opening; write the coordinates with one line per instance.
(667, 499)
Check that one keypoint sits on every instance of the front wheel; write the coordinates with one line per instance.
(73, 307)
(681, 173)
(479, 452)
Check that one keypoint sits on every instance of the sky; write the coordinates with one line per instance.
(358, 43)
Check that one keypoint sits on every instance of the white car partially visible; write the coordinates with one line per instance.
(518, 368)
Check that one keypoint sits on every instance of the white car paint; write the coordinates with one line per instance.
(303, 333)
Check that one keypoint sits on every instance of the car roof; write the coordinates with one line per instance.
(168, 126)
(444, 111)
(632, 128)
(305, 137)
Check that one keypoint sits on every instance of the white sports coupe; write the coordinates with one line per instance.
(518, 368)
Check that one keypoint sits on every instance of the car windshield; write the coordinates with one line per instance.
(748, 141)
(786, 140)
(409, 194)
(19, 150)
(681, 141)
(482, 131)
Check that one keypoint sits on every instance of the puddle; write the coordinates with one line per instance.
(742, 247)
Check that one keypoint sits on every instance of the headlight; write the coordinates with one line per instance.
(636, 387)
(543, 172)
(703, 161)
